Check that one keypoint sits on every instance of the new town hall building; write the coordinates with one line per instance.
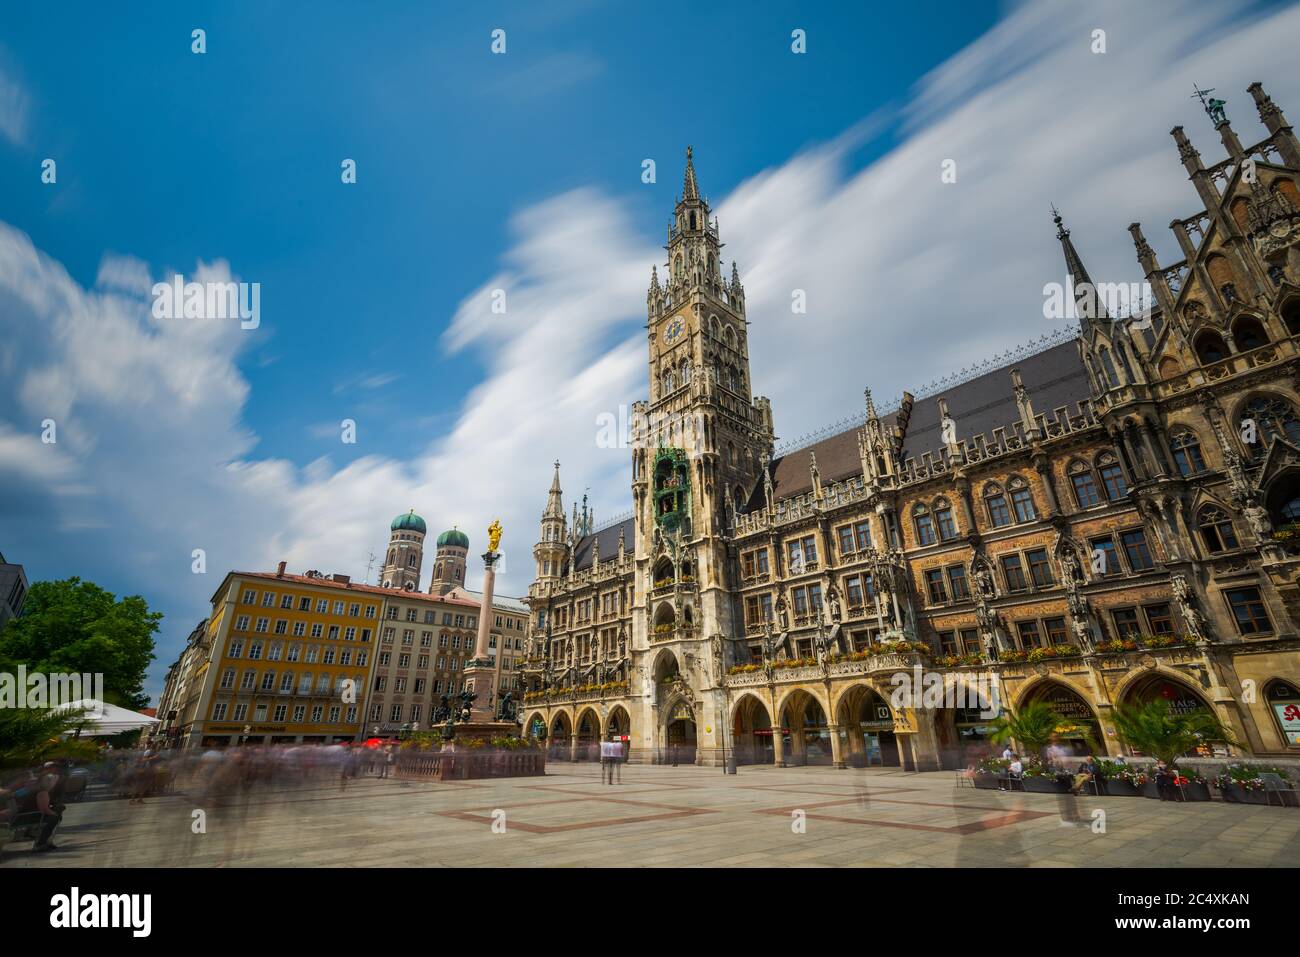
(1110, 518)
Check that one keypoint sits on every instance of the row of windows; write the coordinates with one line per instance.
(300, 629)
(281, 711)
(292, 652)
(304, 603)
(1245, 604)
(448, 619)
(288, 681)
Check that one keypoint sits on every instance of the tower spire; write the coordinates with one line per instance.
(554, 498)
(1089, 308)
(690, 188)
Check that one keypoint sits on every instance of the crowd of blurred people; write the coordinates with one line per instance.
(222, 782)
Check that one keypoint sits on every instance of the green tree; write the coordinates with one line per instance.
(1031, 726)
(77, 627)
(1153, 728)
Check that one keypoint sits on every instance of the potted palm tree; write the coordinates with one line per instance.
(1154, 729)
(1031, 727)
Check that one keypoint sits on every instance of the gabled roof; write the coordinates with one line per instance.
(1054, 377)
(608, 538)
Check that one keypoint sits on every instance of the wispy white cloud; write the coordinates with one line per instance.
(15, 104)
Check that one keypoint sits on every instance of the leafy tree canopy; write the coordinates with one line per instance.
(73, 626)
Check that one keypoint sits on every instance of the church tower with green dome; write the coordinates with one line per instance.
(449, 562)
(405, 557)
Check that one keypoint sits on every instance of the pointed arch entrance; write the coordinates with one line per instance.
(588, 736)
(1181, 697)
(869, 722)
(1080, 733)
(560, 746)
(679, 732)
(809, 731)
(751, 732)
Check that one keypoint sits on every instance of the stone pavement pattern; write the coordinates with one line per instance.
(662, 816)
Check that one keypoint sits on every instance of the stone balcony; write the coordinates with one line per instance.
(887, 663)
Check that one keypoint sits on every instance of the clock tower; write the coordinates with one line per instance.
(699, 449)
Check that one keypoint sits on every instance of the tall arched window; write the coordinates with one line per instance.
(1247, 334)
(1284, 701)
(1291, 316)
(1187, 453)
(1274, 417)
(684, 371)
(1108, 369)
(1210, 348)
(1217, 531)
(944, 521)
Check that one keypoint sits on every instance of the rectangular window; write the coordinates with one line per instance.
(268, 599)
(317, 630)
(846, 540)
(219, 711)
(934, 584)
(1159, 619)
(1040, 569)
(970, 641)
(947, 527)
(1126, 622)
(1029, 635)
(304, 604)
(241, 623)
(322, 605)
(1135, 547)
(1023, 502)
(862, 530)
(236, 649)
(299, 629)
(1112, 476)
(1085, 489)
(338, 608)
(250, 596)
(853, 591)
(279, 713)
(286, 601)
(948, 642)
(255, 651)
(263, 624)
(240, 713)
(957, 582)
(1013, 573)
(334, 633)
(281, 626)
(1056, 633)
(1105, 559)
(1248, 611)
(924, 529)
(999, 514)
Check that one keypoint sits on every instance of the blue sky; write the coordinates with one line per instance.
(170, 156)
(522, 171)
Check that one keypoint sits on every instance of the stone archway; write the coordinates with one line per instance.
(588, 732)
(809, 738)
(868, 723)
(751, 732)
(1081, 732)
(535, 723)
(1180, 694)
(560, 741)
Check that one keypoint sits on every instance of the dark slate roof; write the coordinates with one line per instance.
(608, 538)
(1054, 377)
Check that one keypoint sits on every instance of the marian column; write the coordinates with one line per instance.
(479, 672)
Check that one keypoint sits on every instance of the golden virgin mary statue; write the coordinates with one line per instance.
(494, 535)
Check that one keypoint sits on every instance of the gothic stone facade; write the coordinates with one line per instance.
(1109, 518)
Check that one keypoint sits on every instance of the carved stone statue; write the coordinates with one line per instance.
(1070, 568)
(506, 707)
(443, 711)
(984, 582)
(783, 613)
(1258, 520)
(1186, 607)
(1082, 633)
(834, 600)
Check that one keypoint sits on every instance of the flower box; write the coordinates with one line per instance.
(988, 781)
(1118, 787)
(1191, 791)
(1043, 784)
(1237, 794)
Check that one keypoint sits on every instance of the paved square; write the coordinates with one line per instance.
(668, 817)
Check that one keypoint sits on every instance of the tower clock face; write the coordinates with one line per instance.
(676, 329)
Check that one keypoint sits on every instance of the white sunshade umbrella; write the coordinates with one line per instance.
(103, 719)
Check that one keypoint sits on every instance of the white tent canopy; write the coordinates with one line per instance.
(103, 718)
